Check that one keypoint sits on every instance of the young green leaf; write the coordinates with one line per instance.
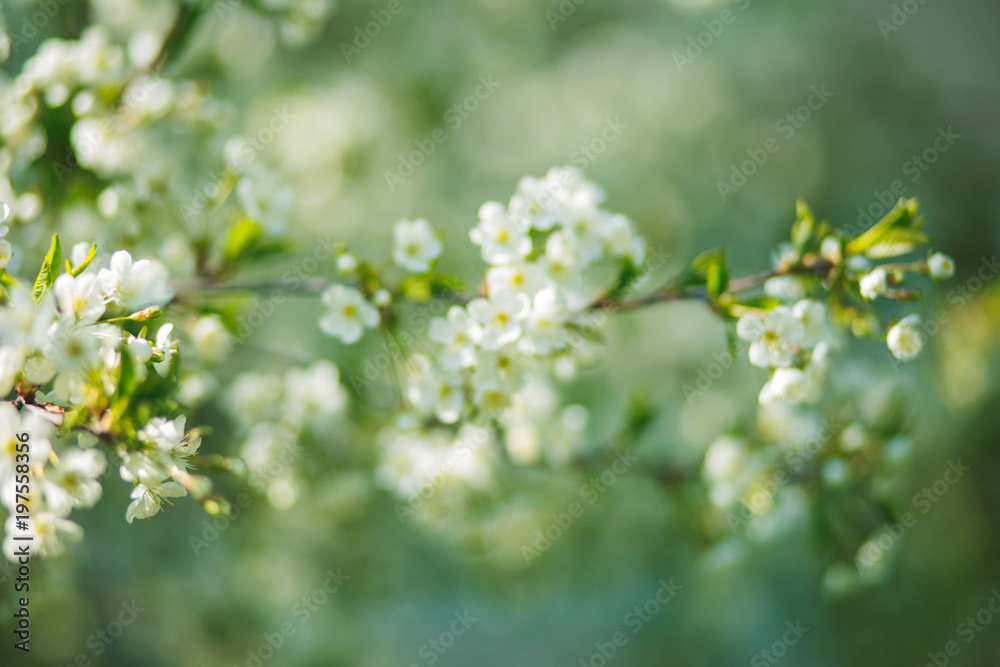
(895, 242)
(901, 216)
(84, 264)
(50, 269)
(240, 240)
(717, 278)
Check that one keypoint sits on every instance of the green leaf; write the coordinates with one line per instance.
(697, 271)
(50, 269)
(895, 242)
(241, 238)
(73, 418)
(804, 226)
(717, 278)
(762, 302)
(731, 339)
(128, 380)
(85, 263)
(441, 283)
(8, 280)
(626, 277)
(901, 216)
(639, 414)
(416, 289)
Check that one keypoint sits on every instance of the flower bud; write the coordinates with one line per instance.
(905, 340)
(942, 267)
(147, 314)
(831, 250)
(874, 284)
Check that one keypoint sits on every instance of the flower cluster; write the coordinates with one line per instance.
(94, 386)
(539, 248)
(487, 359)
(67, 346)
(794, 343)
(272, 413)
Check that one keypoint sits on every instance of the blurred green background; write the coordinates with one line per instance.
(684, 130)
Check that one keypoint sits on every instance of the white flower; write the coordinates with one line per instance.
(458, 335)
(165, 434)
(138, 467)
(25, 324)
(314, 391)
(942, 267)
(347, 315)
(135, 285)
(211, 339)
(537, 201)
(832, 250)
(253, 397)
(75, 481)
(621, 240)
(178, 254)
(269, 451)
(874, 284)
(523, 444)
(169, 448)
(584, 228)
(786, 288)
(74, 349)
(140, 351)
(544, 328)
(500, 237)
(562, 261)
(347, 264)
(147, 497)
(504, 370)
(772, 338)
(905, 339)
(524, 277)
(572, 188)
(724, 460)
(438, 391)
(815, 325)
(265, 199)
(48, 531)
(79, 298)
(11, 362)
(728, 471)
(501, 318)
(799, 385)
(409, 460)
(6, 253)
(166, 347)
(12, 423)
(416, 245)
(173, 448)
(470, 456)
(39, 369)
